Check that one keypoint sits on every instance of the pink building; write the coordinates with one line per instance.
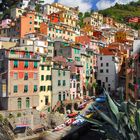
(76, 78)
(5, 23)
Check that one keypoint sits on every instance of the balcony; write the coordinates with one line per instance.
(19, 56)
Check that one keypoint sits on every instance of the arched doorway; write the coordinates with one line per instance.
(27, 102)
(19, 103)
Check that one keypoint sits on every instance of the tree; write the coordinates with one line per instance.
(87, 14)
(80, 15)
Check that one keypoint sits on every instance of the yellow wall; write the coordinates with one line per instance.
(42, 94)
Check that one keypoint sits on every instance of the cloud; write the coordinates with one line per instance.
(84, 5)
(103, 4)
(49, 1)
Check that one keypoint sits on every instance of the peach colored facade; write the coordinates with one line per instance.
(27, 24)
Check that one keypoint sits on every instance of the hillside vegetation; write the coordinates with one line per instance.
(121, 12)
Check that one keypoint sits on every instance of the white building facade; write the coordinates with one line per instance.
(107, 74)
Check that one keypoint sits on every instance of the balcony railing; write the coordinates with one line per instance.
(19, 56)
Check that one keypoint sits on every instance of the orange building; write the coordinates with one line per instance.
(43, 28)
(27, 24)
(83, 39)
(120, 36)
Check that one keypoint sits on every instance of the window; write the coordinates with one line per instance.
(35, 88)
(64, 97)
(48, 77)
(44, 59)
(48, 67)
(27, 102)
(59, 73)
(42, 67)
(59, 97)
(64, 73)
(107, 64)
(42, 77)
(25, 88)
(59, 83)
(74, 85)
(35, 64)
(15, 88)
(23, 41)
(15, 64)
(77, 58)
(101, 70)
(64, 82)
(42, 88)
(12, 52)
(46, 100)
(30, 22)
(26, 76)
(100, 58)
(106, 79)
(30, 29)
(49, 88)
(35, 76)
(101, 64)
(107, 70)
(70, 85)
(19, 103)
(26, 64)
(15, 76)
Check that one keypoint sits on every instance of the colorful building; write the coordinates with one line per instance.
(19, 80)
(95, 20)
(45, 83)
(54, 18)
(108, 65)
(60, 85)
(120, 36)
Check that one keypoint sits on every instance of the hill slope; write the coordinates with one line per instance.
(121, 12)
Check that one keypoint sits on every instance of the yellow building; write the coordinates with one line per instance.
(61, 31)
(67, 17)
(7, 45)
(49, 9)
(95, 20)
(45, 83)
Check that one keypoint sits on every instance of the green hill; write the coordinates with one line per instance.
(121, 12)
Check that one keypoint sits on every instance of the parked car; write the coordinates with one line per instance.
(74, 114)
(69, 121)
(59, 127)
